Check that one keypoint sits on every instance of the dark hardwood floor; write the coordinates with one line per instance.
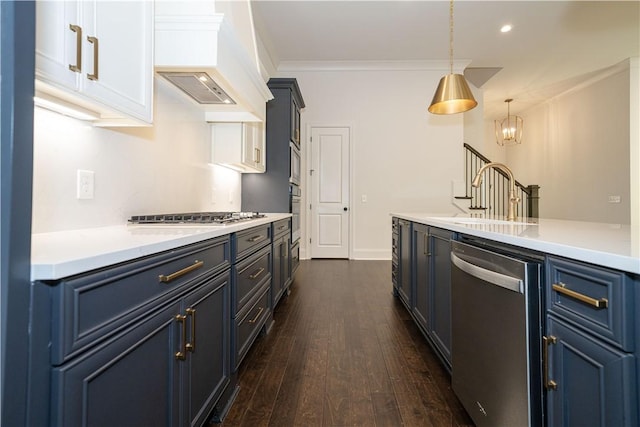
(344, 352)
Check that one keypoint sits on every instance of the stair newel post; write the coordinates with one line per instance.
(532, 201)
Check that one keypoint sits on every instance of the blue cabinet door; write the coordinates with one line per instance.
(440, 291)
(208, 361)
(404, 281)
(421, 271)
(131, 380)
(276, 274)
(595, 383)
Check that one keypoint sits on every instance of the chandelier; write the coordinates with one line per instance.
(509, 129)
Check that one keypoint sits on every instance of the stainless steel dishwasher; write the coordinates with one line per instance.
(495, 315)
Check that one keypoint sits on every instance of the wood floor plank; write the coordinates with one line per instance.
(343, 351)
(261, 406)
(311, 403)
(386, 410)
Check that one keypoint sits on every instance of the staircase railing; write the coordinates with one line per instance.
(492, 196)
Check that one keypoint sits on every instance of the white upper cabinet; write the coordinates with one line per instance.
(239, 146)
(97, 55)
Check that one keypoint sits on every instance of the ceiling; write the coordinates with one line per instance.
(554, 45)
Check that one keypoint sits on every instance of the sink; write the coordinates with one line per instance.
(480, 221)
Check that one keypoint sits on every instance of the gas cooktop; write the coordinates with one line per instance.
(216, 218)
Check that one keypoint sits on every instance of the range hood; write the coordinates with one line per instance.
(202, 56)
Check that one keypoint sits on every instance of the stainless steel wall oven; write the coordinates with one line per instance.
(295, 206)
(294, 164)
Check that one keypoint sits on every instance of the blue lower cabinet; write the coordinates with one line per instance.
(421, 271)
(404, 263)
(431, 268)
(167, 369)
(590, 383)
(119, 384)
(281, 278)
(207, 369)
(252, 277)
(440, 290)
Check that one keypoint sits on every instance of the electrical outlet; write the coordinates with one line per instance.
(614, 199)
(84, 184)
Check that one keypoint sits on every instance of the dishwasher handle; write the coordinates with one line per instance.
(493, 277)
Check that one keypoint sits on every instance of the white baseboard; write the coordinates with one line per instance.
(361, 254)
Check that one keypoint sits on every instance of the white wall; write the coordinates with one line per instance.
(158, 169)
(576, 147)
(404, 159)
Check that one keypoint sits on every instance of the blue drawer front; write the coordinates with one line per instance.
(613, 290)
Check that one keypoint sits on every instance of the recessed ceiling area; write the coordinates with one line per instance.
(552, 44)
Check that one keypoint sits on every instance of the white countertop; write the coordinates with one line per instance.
(610, 245)
(65, 253)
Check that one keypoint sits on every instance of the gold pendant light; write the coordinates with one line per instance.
(453, 94)
(509, 130)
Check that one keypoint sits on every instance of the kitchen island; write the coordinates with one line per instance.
(609, 245)
(583, 330)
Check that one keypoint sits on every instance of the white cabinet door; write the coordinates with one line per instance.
(239, 146)
(122, 57)
(98, 55)
(253, 146)
(57, 43)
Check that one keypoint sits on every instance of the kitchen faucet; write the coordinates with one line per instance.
(513, 199)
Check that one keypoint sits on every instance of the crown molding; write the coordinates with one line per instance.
(429, 65)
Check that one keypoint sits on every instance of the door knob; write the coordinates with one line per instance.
(345, 209)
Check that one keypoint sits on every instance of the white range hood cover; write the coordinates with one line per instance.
(207, 44)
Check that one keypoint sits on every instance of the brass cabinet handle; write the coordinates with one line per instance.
(166, 279)
(182, 354)
(191, 346)
(255, 319)
(77, 68)
(426, 251)
(282, 227)
(597, 303)
(94, 42)
(257, 273)
(256, 155)
(256, 238)
(547, 341)
(297, 135)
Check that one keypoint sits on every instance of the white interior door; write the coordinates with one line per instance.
(330, 192)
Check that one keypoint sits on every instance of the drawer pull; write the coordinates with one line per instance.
(547, 341)
(597, 303)
(166, 279)
(257, 273)
(182, 354)
(256, 238)
(255, 319)
(282, 227)
(78, 65)
(191, 346)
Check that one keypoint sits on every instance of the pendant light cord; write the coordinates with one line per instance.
(451, 36)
